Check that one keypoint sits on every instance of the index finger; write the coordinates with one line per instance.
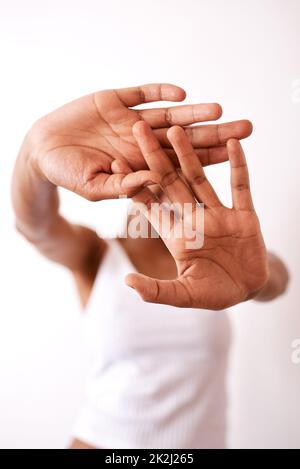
(149, 93)
(181, 115)
(159, 162)
(210, 135)
(240, 185)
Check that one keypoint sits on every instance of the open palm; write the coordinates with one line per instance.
(231, 265)
(85, 145)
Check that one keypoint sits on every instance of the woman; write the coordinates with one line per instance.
(158, 359)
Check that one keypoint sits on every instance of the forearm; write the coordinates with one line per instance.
(35, 200)
(277, 281)
(36, 205)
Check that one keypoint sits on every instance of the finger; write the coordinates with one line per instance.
(210, 135)
(149, 206)
(207, 156)
(159, 162)
(161, 215)
(240, 185)
(134, 182)
(150, 93)
(111, 186)
(119, 166)
(171, 292)
(181, 115)
(191, 167)
(167, 219)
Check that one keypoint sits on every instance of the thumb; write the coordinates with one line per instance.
(132, 183)
(152, 290)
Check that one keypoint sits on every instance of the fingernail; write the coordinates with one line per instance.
(149, 183)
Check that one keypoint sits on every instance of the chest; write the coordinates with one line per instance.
(150, 258)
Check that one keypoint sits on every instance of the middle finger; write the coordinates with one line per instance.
(210, 135)
(159, 162)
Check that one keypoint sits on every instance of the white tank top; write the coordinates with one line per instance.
(157, 373)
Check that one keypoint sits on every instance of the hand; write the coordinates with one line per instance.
(84, 145)
(232, 264)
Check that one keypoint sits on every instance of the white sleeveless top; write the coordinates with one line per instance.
(158, 373)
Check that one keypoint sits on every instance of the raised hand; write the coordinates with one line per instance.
(83, 145)
(232, 264)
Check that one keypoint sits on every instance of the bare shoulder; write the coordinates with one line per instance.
(86, 275)
(78, 444)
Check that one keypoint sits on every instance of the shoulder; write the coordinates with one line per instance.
(86, 275)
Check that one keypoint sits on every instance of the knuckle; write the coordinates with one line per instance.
(198, 179)
(142, 96)
(169, 178)
(190, 132)
(168, 117)
(218, 134)
(241, 187)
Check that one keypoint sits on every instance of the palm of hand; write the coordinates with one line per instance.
(87, 146)
(102, 123)
(231, 266)
(81, 140)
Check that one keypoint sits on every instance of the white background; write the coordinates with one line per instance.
(243, 54)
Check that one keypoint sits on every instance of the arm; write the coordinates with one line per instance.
(78, 147)
(83, 147)
(278, 280)
(36, 205)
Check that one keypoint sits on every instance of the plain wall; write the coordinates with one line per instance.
(243, 54)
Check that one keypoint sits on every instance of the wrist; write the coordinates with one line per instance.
(30, 155)
(34, 198)
(278, 278)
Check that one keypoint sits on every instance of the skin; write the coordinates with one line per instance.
(81, 145)
(232, 265)
(88, 146)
